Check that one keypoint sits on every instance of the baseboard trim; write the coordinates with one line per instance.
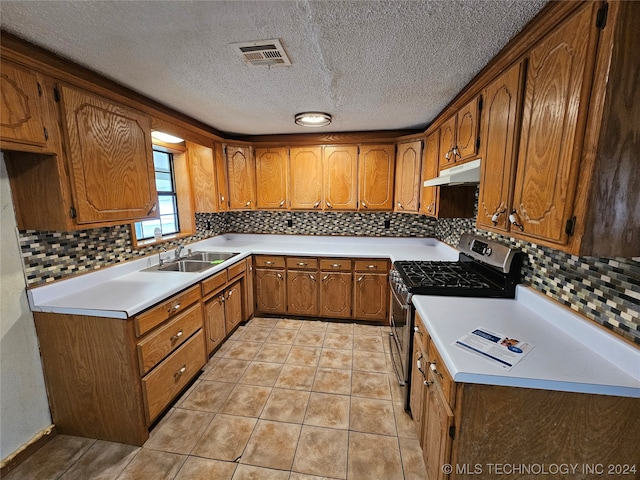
(26, 450)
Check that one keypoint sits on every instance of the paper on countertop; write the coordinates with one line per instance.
(499, 349)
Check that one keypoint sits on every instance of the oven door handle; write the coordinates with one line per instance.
(395, 296)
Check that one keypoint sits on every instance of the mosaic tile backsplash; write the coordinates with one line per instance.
(606, 290)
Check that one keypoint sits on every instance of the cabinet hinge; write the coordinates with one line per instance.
(56, 94)
(72, 212)
(601, 16)
(39, 89)
(46, 133)
(570, 226)
(452, 431)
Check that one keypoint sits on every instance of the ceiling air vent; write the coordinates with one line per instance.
(265, 52)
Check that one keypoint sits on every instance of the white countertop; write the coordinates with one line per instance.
(570, 352)
(122, 291)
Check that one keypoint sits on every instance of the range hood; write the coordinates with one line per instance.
(467, 173)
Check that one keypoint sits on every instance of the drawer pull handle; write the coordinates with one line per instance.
(361, 278)
(417, 330)
(282, 203)
(267, 262)
(302, 264)
(181, 371)
(317, 204)
(325, 278)
(336, 265)
(278, 275)
(312, 278)
(222, 299)
(427, 383)
(434, 369)
(174, 308)
(372, 266)
(329, 205)
(248, 204)
(229, 294)
(177, 336)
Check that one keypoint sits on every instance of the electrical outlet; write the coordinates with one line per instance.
(289, 223)
(387, 224)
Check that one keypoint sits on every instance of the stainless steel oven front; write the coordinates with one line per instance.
(402, 315)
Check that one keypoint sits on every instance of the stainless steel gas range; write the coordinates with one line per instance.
(485, 268)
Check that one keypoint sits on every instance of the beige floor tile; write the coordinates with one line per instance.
(272, 445)
(370, 415)
(210, 364)
(181, 432)
(286, 406)
(316, 446)
(227, 370)
(208, 396)
(368, 343)
(261, 373)
(374, 456)
(255, 334)
(330, 358)
(369, 361)
(300, 355)
(412, 459)
(53, 459)
(237, 334)
(397, 391)
(339, 327)
(359, 329)
(328, 410)
(309, 339)
(329, 380)
(273, 353)
(225, 438)
(249, 472)
(282, 336)
(404, 423)
(153, 464)
(196, 468)
(226, 345)
(312, 325)
(302, 476)
(246, 400)
(289, 323)
(262, 322)
(370, 384)
(296, 377)
(103, 461)
(341, 341)
(243, 350)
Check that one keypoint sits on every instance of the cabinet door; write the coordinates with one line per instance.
(408, 163)
(214, 321)
(203, 178)
(467, 131)
(502, 100)
(302, 292)
(340, 177)
(335, 295)
(429, 195)
(21, 109)
(436, 440)
(249, 305)
(233, 305)
(377, 168)
(221, 177)
(270, 291)
(417, 387)
(111, 162)
(271, 177)
(554, 115)
(371, 296)
(305, 174)
(241, 175)
(447, 156)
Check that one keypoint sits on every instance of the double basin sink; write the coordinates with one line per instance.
(194, 262)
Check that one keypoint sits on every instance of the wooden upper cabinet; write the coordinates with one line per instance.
(110, 158)
(376, 176)
(271, 178)
(554, 114)
(340, 177)
(305, 174)
(241, 175)
(459, 135)
(21, 107)
(499, 131)
(429, 195)
(203, 177)
(407, 184)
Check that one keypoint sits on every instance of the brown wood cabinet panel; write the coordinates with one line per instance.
(371, 265)
(500, 121)
(335, 264)
(203, 177)
(214, 321)
(169, 378)
(302, 263)
(416, 399)
(233, 305)
(430, 166)
(271, 178)
(305, 174)
(21, 109)
(467, 130)
(335, 294)
(236, 269)
(249, 299)
(376, 177)
(555, 107)
(447, 155)
(269, 261)
(154, 316)
(302, 292)
(157, 345)
(221, 177)
(371, 296)
(110, 158)
(270, 291)
(340, 177)
(214, 282)
(241, 176)
(436, 440)
(407, 183)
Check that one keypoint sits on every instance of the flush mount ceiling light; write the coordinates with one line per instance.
(165, 137)
(313, 119)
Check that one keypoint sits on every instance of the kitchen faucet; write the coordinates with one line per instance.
(160, 259)
(179, 250)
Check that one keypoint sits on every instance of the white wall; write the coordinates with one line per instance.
(23, 398)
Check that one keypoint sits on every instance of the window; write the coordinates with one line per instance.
(168, 222)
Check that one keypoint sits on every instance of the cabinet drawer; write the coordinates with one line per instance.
(441, 375)
(167, 338)
(267, 261)
(172, 375)
(148, 320)
(335, 264)
(302, 263)
(213, 283)
(237, 269)
(372, 265)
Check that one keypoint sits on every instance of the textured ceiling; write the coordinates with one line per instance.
(374, 65)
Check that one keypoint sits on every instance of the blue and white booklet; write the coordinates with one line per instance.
(501, 350)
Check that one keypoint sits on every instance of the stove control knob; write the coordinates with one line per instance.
(488, 251)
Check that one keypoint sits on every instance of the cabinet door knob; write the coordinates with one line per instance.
(329, 205)
(312, 278)
(514, 221)
(152, 209)
(361, 278)
(372, 266)
(336, 265)
(278, 275)
(302, 264)
(364, 205)
(417, 330)
(176, 336)
(229, 294)
(430, 207)
(282, 203)
(181, 371)
(248, 204)
(268, 263)
(427, 383)
(317, 204)
(325, 278)
(400, 206)
(496, 216)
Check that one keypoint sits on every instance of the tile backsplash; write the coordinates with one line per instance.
(606, 290)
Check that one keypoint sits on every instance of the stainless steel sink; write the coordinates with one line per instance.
(185, 266)
(212, 257)
(194, 262)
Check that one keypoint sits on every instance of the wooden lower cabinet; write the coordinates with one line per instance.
(214, 321)
(270, 291)
(437, 432)
(302, 292)
(335, 294)
(249, 299)
(233, 306)
(371, 296)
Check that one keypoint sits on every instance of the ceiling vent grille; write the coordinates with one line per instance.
(265, 52)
